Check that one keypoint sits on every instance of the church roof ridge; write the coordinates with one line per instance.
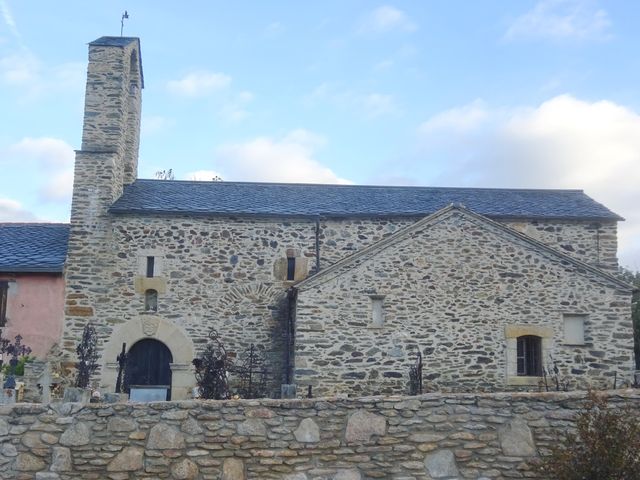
(193, 197)
(364, 185)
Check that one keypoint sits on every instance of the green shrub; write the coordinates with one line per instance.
(19, 371)
(605, 446)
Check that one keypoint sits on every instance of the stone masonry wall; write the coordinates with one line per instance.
(595, 243)
(453, 290)
(213, 272)
(429, 437)
(106, 162)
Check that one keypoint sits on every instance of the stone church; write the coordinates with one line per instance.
(341, 286)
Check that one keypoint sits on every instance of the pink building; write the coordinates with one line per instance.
(32, 257)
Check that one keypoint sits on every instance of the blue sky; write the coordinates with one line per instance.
(536, 94)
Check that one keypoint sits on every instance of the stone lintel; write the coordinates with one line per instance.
(77, 311)
(515, 331)
(142, 284)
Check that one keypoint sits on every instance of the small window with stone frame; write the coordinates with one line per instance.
(291, 268)
(151, 266)
(377, 311)
(574, 328)
(151, 300)
(529, 356)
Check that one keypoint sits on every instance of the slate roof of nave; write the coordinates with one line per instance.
(33, 247)
(302, 200)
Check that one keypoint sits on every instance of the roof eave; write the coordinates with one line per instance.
(162, 212)
(21, 269)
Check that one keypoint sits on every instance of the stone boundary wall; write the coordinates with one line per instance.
(433, 436)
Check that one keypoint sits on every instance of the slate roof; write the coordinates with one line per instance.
(33, 247)
(302, 200)
(114, 41)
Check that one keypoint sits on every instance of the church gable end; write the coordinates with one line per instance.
(451, 286)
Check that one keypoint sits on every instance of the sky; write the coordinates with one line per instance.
(492, 93)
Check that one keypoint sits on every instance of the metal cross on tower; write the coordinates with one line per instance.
(125, 16)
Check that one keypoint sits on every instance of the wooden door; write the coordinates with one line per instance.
(148, 363)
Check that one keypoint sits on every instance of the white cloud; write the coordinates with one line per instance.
(9, 21)
(13, 211)
(51, 156)
(235, 109)
(563, 143)
(310, 140)
(23, 71)
(59, 187)
(154, 123)
(198, 84)
(45, 150)
(245, 96)
(561, 19)
(460, 118)
(274, 29)
(405, 52)
(19, 69)
(70, 74)
(370, 105)
(385, 19)
(383, 65)
(233, 113)
(378, 104)
(266, 159)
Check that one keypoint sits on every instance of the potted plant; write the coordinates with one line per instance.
(17, 353)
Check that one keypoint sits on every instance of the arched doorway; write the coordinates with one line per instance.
(149, 364)
(149, 326)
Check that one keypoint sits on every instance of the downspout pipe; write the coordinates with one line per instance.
(292, 296)
(317, 243)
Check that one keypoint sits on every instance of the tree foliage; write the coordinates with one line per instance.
(165, 174)
(212, 369)
(252, 373)
(633, 278)
(605, 445)
(169, 175)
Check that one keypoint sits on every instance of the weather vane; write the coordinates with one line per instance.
(125, 16)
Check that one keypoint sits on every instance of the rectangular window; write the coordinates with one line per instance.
(151, 300)
(529, 356)
(377, 311)
(291, 268)
(4, 292)
(574, 329)
(150, 266)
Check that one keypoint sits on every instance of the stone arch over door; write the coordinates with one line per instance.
(157, 328)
